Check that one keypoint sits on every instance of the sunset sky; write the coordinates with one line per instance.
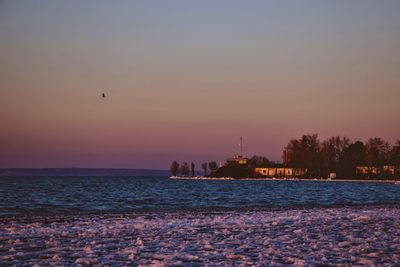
(184, 79)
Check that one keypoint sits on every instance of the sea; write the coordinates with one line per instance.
(89, 191)
(121, 217)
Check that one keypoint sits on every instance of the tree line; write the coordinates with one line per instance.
(183, 169)
(339, 155)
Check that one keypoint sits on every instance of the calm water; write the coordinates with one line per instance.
(71, 195)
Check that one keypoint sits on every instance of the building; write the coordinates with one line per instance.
(367, 170)
(391, 170)
(386, 171)
(237, 159)
(281, 172)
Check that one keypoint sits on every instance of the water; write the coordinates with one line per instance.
(105, 195)
(121, 221)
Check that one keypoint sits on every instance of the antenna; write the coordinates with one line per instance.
(241, 147)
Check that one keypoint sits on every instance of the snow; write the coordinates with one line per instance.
(338, 236)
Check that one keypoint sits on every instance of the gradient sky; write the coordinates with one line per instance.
(184, 79)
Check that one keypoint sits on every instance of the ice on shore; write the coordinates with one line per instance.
(339, 236)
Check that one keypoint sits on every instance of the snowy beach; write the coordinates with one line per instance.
(368, 235)
(394, 181)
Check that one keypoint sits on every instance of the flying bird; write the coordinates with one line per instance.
(104, 95)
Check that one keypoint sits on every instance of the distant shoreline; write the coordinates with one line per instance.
(80, 172)
(282, 179)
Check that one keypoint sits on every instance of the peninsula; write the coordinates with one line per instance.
(333, 159)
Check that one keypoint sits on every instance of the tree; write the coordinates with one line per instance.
(332, 151)
(377, 152)
(258, 161)
(213, 166)
(174, 168)
(192, 167)
(294, 153)
(354, 155)
(185, 168)
(234, 170)
(304, 153)
(204, 167)
(394, 156)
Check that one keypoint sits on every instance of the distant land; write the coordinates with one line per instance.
(12, 172)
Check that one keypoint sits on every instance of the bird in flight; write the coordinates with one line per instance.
(104, 95)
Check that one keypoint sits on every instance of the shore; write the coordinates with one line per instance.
(282, 179)
(338, 236)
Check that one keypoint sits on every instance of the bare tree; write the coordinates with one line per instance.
(213, 166)
(395, 154)
(185, 168)
(192, 167)
(377, 152)
(332, 150)
(353, 156)
(204, 166)
(174, 168)
(304, 153)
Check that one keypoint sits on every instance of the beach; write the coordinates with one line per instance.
(368, 235)
(393, 181)
(145, 221)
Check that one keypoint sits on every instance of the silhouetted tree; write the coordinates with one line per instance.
(234, 170)
(332, 151)
(354, 155)
(258, 161)
(185, 168)
(294, 154)
(394, 156)
(305, 153)
(204, 167)
(377, 152)
(213, 166)
(192, 167)
(174, 168)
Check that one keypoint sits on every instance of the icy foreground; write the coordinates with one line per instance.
(344, 236)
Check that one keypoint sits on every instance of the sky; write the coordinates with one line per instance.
(184, 79)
